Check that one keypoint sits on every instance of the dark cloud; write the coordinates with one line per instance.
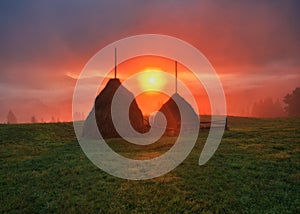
(239, 32)
(52, 32)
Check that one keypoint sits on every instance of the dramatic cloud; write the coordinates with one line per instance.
(254, 45)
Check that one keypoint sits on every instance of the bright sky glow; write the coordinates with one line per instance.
(152, 79)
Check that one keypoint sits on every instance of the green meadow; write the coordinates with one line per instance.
(256, 169)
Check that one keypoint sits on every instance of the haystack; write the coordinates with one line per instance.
(102, 112)
(173, 115)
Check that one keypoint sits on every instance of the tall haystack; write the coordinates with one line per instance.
(102, 112)
(173, 115)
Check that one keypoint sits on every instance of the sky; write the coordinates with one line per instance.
(254, 47)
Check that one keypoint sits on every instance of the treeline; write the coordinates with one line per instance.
(12, 119)
(267, 108)
(292, 102)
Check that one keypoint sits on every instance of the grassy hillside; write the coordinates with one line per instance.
(256, 169)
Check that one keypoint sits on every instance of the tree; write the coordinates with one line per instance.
(292, 102)
(53, 119)
(11, 117)
(33, 119)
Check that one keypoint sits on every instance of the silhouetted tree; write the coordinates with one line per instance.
(33, 119)
(293, 103)
(11, 117)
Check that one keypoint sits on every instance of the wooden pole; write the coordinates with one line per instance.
(176, 77)
(115, 63)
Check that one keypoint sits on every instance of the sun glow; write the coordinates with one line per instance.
(152, 80)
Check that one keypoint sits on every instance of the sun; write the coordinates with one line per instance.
(152, 80)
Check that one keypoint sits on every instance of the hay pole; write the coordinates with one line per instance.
(115, 63)
(176, 77)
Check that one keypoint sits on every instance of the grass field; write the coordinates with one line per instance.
(256, 169)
